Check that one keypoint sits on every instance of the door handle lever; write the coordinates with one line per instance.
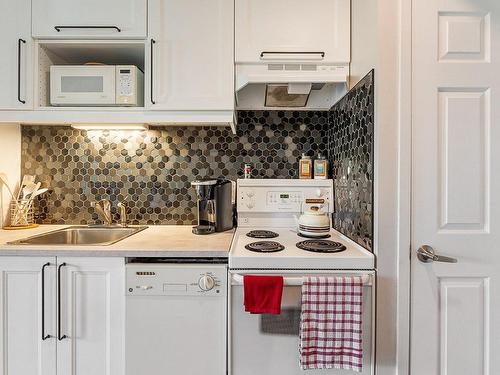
(426, 254)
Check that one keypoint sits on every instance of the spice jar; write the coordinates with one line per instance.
(305, 167)
(320, 168)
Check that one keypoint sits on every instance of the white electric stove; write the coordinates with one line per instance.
(266, 243)
(266, 237)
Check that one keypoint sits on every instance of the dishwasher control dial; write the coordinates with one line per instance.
(206, 282)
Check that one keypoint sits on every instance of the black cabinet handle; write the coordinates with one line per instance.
(59, 337)
(152, 76)
(44, 336)
(20, 42)
(59, 28)
(263, 53)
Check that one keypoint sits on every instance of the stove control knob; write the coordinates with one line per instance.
(250, 194)
(250, 205)
(206, 283)
(319, 193)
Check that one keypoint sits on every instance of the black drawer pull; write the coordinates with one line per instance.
(321, 53)
(59, 28)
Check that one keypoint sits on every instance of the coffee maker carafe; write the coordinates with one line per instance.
(215, 205)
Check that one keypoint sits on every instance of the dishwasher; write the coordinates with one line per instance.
(176, 316)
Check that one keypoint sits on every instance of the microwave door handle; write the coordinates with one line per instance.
(151, 68)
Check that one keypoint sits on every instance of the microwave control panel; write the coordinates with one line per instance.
(125, 82)
(129, 85)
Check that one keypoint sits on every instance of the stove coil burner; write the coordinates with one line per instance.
(321, 246)
(262, 234)
(265, 247)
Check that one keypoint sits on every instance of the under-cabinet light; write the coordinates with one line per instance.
(110, 126)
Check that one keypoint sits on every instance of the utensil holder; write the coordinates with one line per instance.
(21, 213)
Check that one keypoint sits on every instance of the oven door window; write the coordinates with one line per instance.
(269, 344)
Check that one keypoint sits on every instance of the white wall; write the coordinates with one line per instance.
(381, 39)
(10, 163)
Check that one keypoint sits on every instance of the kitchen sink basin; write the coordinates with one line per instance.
(82, 235)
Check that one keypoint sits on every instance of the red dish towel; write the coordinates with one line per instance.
(263, 294)
(330, 326)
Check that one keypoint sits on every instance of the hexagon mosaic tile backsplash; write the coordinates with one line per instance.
(350, 142)
(153, 169)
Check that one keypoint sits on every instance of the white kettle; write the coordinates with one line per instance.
(313, 222)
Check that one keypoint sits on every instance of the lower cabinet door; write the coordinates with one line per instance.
(27, 316)
(91, 307)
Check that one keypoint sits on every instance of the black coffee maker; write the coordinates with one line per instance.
(215, 205)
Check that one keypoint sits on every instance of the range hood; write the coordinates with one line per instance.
(290, 84)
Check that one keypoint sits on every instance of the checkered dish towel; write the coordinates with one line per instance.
(330, 326)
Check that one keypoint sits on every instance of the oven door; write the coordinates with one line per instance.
(92, 85)
(269, 344)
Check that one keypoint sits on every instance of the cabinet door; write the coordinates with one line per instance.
(89, 19)
(92, 312)
(16, 57)
(191, 55)
(23, 350)
(275, 26)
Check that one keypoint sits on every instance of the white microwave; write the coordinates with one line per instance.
(96, 85)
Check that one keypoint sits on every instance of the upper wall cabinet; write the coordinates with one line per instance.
(15, 60)
(292, 29)
(89, 19)
(191, 55)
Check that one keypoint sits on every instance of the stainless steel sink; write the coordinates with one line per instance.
(82, 235)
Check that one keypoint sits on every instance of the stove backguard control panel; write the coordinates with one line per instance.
(282, 195)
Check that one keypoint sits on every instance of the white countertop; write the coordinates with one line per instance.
(173, 241)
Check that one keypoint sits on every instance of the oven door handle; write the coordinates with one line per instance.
(237, 279)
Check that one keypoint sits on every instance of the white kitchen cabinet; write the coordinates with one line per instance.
(89, 19)
(191, 55)
(16, 70)
(83, 333)
(271, 30)
(92, 316)
(24, 290)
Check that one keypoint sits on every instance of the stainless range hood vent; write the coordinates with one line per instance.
(290, 67)
(298, 86)
(286, 95)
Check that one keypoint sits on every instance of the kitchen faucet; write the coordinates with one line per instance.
(103, 207)
(123, 214)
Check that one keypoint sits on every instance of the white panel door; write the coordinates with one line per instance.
(191, 55)
(293, 26)
(16, 70)
(456, 205)
(27, 336)
(92, 316)
(89, 19)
